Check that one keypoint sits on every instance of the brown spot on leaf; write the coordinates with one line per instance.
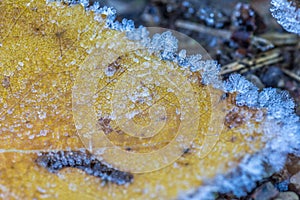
(55, 161)
(6, 82)
(105, 125)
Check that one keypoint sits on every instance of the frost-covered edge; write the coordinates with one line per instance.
(286, 14)
(281, 129)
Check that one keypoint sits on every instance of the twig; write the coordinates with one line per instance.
(203, 29)
(291, 74)
(261, 43)
(263, 59)
(281, 39)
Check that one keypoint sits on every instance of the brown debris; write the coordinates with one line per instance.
(267, 191)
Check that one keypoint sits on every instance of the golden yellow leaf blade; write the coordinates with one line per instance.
(42, 50)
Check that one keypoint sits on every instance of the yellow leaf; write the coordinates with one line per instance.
(43, 49)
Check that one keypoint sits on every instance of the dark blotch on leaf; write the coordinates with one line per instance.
(54, 161)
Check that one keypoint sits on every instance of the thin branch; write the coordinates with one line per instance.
(246, 64)
(203, 29)
(291, 74)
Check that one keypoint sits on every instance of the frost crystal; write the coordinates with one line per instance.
(126, 25)
(237, 83)
(139, 34)
(166, 45)
(85, 3)
(278, 103)
(287, 14)
(110, 20)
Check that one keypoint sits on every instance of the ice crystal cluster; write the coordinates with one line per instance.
(281, 131)
(287, 14)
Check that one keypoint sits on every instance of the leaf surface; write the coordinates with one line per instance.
(43, 48)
